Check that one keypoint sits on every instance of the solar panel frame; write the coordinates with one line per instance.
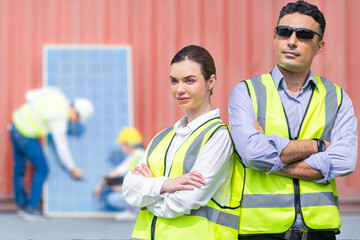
(102, 73)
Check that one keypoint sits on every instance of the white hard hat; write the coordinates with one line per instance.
(84, 108)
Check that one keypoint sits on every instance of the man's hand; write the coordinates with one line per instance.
(142, 170)
(327, 144)
(297, 169)
(98, 188)
(296, 149)
(76, 173)
(300, 170)
(116, 188)
(184, 182)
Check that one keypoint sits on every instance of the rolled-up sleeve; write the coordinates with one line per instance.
(341, 156)
(258, 151)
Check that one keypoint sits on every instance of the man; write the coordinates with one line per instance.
(131, 142)
(310, 137)
(46, 110)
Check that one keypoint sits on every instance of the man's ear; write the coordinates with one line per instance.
(320, 46)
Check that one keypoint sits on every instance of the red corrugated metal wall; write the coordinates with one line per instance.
(238, 33)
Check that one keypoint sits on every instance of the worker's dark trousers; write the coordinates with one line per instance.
(27, 149)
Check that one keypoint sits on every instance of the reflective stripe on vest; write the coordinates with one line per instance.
(216, 216)
(287, 200)
(156, 140)
(223, 222)
(333, 100)
(269, 199)
(23, 125)
(31, 120)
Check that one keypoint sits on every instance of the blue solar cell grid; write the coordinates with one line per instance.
(101, 74)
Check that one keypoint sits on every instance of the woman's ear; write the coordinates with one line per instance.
(212, 82)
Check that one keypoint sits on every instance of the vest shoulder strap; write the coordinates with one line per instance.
(333, 100)
(155, 141)
(258, 95)
(198, 139)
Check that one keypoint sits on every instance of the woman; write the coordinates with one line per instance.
(184, 181)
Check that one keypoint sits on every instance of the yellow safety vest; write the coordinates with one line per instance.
(212, 221)
(32, 119)
(134, 160)
(270, 201)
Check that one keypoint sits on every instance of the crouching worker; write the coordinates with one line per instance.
(184, 183)
(131, 143)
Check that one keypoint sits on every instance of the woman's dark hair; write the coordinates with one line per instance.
(305, 8)
(199, 55)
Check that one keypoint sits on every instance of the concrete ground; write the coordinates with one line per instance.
(14, 227)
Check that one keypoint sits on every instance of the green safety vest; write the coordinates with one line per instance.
(32, 119)
(270, 201)
(212, 221)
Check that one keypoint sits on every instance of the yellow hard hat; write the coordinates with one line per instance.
(129, 135)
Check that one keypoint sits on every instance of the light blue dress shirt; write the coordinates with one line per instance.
(261, 152)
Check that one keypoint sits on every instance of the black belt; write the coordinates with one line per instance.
(294, 234)
(301, 234)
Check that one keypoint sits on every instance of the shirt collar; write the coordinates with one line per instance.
(182, 126)
(279, 79)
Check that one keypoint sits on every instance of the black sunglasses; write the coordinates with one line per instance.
(301, 33)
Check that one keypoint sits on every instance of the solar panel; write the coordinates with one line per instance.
(102, 74)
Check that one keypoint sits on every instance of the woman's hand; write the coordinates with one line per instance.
(184, 182)
(142, 170)
(258, 127)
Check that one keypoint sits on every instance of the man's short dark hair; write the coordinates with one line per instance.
(305, 8)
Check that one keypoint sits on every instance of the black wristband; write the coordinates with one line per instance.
(321, 145)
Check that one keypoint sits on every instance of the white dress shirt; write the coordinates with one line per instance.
(213, 162)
